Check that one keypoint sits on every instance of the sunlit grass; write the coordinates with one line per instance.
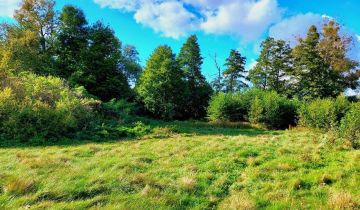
(189, 165)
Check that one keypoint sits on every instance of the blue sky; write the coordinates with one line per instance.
(220, 25)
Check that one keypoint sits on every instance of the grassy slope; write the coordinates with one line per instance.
(199, 167)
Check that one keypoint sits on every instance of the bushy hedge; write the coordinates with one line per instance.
(228, 107)
(273, 110)
(350, 125)
(256, 106)
(323, 114)
(36, 108)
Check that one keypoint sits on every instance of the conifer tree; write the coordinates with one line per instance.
(199, 90)
(235, 71)
(311, 71)
(273, 66)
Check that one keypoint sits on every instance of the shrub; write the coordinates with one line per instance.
(257, 106)
(35, 108)
(342, 106)
(119, 109)
(319, 113)
(273, 110)
(226, 106)
(350, 125)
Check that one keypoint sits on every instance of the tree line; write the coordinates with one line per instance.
(170, 86)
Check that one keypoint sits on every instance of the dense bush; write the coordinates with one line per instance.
(323, 113)
(273, 111)
(268, 108)
(227, 107)
(34, 108)
(350, 125)
(120, 109)
(319, 113)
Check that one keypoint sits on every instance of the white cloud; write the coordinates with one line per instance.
(247, 19)
(119, 4)
(358, 37)
(170, 18)
(7, 7)
(290, 28)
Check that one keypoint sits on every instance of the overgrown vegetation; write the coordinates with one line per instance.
(81, 122)
(185, 165)
(38, 109)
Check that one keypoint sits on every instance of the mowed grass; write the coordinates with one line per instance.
(188, 165)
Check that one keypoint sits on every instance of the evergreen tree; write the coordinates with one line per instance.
(161, 86)
(311, 71)
(199, 90)
(71, 41)
(102, 76)
(321, 66)
(235, 72)
(273, 66)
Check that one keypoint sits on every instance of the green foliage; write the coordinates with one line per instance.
(38, 16)
(199, 90)
(318, 113)
(161, 87)
(120, 109)
(334, 47)
(324, 114)
(227, 107)
(311, 71)
(35, 108)
(235, 71)
(130, 64)
(28, 45)
(72, 41)
(342, 106)
(102, 76)
(259, 107)
(321, 66)
(350, 125)
(273, 111)
(272, 67)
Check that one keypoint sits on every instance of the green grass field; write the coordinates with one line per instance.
(188, 165)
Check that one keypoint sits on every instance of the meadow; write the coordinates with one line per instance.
(185, 165)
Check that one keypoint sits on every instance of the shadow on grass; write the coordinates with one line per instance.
(219, 128)
(198, 128)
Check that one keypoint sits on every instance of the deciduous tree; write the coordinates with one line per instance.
(161, 86)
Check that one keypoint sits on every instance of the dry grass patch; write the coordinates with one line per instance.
(238, 201)
(188, 183)
(341, 200)
(19, 186)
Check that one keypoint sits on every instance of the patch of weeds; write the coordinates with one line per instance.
(19, 186)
